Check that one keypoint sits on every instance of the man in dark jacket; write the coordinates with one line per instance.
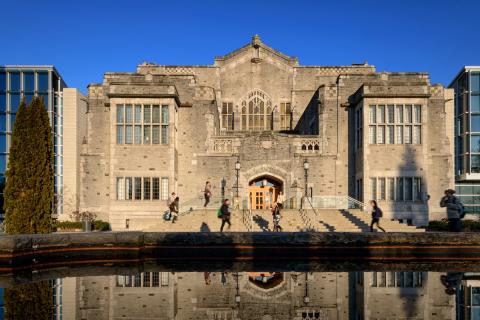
(225, 209)
(453, 206)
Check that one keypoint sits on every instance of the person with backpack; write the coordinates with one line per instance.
(377, 213)
(224, 213)
(207, 193)
(174, 209)
(170, 201)
(455, 210)
(276, 218)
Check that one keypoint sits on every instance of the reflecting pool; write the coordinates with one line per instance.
(262, 295)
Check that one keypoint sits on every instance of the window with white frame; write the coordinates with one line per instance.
(399, 189)
(408, 279)
(141, 188)
(285, 116)
(140, 124)
(164, 188)
(395, 124)
(227, 115)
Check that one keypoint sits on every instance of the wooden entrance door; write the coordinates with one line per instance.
(262, 197)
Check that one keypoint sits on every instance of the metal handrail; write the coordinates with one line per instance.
(309, 220)
(356, 202)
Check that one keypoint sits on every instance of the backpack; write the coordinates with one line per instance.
(380, 212)
(219, 213)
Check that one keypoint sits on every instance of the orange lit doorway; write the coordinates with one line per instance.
(263, 192)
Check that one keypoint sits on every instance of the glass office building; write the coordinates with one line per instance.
(467, 136)
(17, 82)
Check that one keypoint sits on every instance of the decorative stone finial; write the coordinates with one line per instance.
(256, 41)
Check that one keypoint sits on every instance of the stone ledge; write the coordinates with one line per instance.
(70, 249)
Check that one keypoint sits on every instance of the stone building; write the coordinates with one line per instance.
(364, 134)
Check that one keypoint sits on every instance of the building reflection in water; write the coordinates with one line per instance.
(271, 296)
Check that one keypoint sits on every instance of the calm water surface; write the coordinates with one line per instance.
(249, 295)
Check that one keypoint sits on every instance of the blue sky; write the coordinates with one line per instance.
(85, 39)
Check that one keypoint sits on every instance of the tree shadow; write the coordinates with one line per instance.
(261, 222)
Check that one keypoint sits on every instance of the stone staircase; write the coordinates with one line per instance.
(325, 220)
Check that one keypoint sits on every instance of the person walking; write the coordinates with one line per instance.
(174, 209)
(170, 201)
(207, 193)
(276, 218)
(454, 208)
(280, 199)
(226, 213)
(376, 215)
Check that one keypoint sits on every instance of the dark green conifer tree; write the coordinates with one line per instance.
(29, 301)
(30, 179)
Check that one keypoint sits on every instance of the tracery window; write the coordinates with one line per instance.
(256, 110)
(285, 115)
(227, 116)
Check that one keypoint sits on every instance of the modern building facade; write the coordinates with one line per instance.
(17, 82)
(257, 114)
(467, 136)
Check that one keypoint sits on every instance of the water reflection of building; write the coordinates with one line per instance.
(400, 295)
(263, 296)
(469, 297)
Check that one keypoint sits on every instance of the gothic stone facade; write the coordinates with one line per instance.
(364, 133)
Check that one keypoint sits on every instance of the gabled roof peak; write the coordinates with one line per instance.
(256, 44)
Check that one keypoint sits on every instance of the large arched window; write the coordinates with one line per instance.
(256, 109)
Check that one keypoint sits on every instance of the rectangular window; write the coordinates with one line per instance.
(373, 114)
(285, 115)
(128, 113)
(373, 134)
(382, 186)
(417, 189)
(408, 279)
(408, 113)
(399, 189)
(155, 279)
(391, 279)
(138, 280)
(399, 135)
(43, 81)
(138, 188)
(156, 134)
(146, 188)
(155, 188)
(165, 120)
(28, 81)
(138, 134)
(408, 134)
(475, 103)
(418, 113)
(391, 114)
(164, 188)
(381, 134)
(147, 116)
(120, 134)
(391, 189)
(382, 279)
(3, 102)
(14, 102)
(128, 135)
(373, 188)
(138, 113)
(120, 189)
(417, 134)
(227, 116)
(155, 114)
(408, 189)
(146, 134)
(381, 114)
(3, 81)
(164, 279)
(146, 279)
(390, 134)
(399, 277)
(128, 188)
(14, 81)
(119, 113)
(399, 113)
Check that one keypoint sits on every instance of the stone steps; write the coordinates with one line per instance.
(205, 220)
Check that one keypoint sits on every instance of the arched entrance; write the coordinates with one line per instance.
(263, 192)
